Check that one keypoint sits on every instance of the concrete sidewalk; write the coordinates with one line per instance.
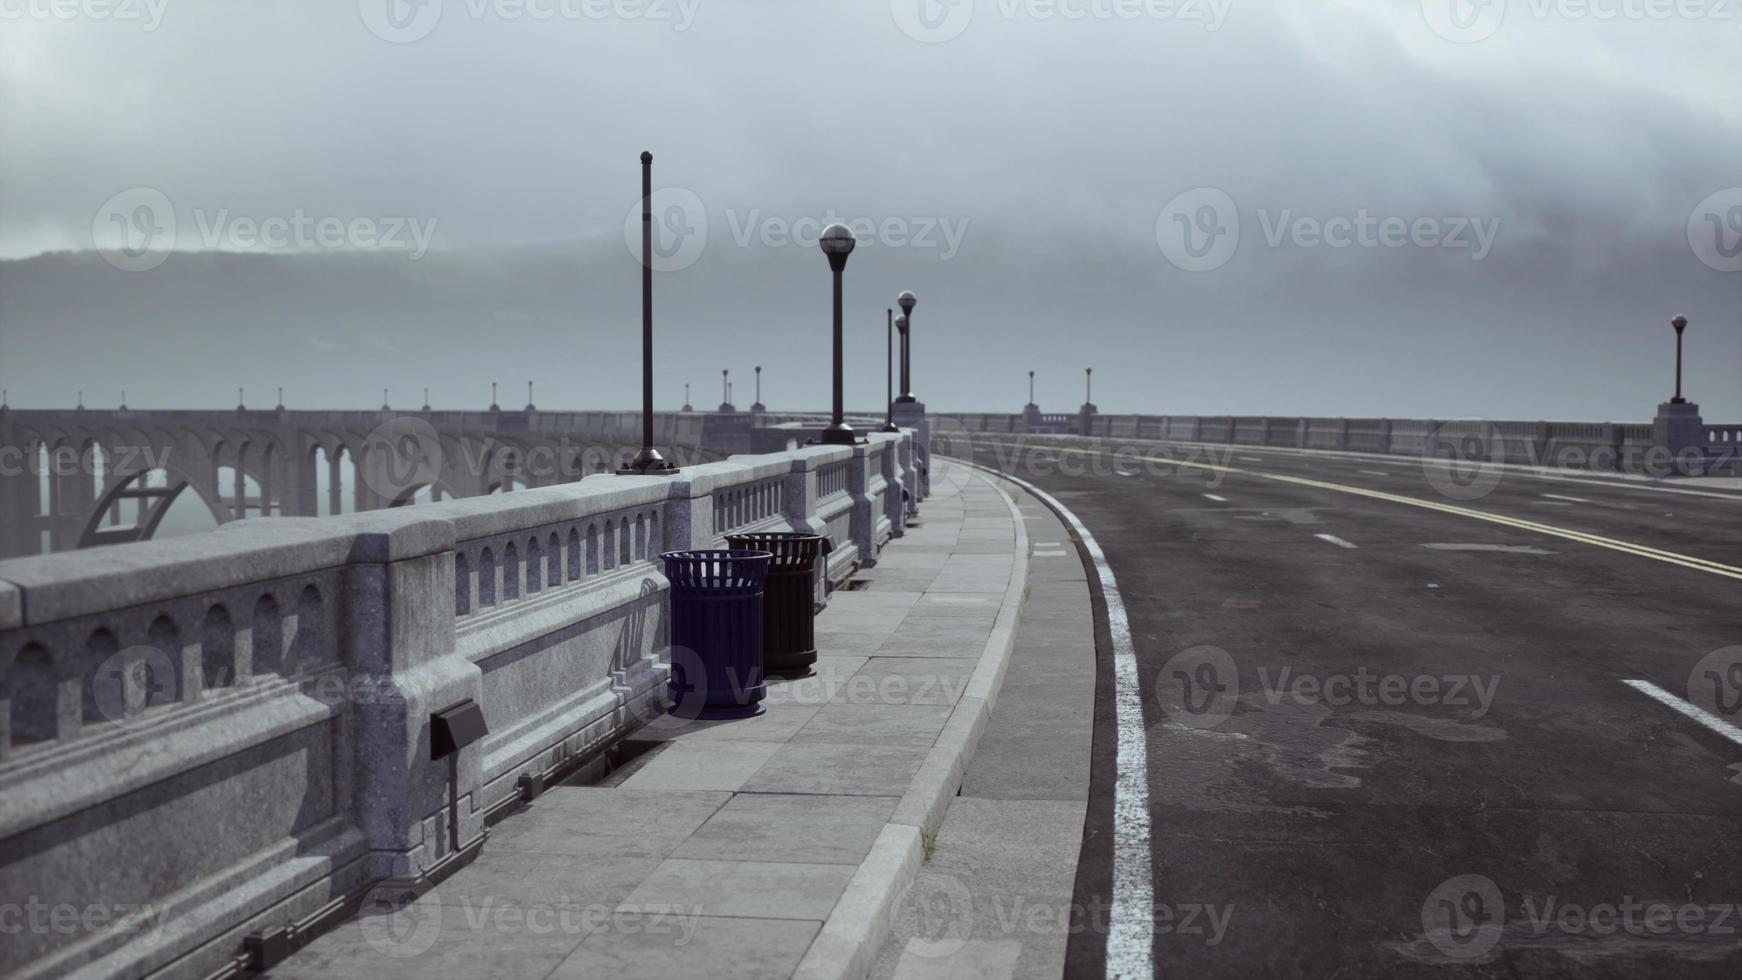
(773, 846)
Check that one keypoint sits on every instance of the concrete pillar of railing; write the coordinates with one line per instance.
(894, 476)
(911, 415)
(1431, 441)
(1197, 428)
(18, 491)
(864, 523)
(1612, 439)
(396, 628)
(1679, 429)
(1385, 436)
(689, 515)
(802, 493)
(1343, 434)
(1300, 433)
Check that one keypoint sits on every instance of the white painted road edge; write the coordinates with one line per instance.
(1130, 933)
(1693, 711)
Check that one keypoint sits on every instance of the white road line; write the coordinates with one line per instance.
(1693, 711)
(1048, 554)
(1131, 928)
(1250, 459)
(1575, 500)
(1219, 500)
(1375, 472)
(1332, 538)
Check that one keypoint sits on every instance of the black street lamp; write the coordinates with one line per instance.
(906, 301)
(726, 391)
(889, 372)
(1031, 389)
(1680, 323)
(837, 243)
(757, 406)
(529, 405)
(384, 406)
(686, 398)
(493, 406)
(648, 461)
(1088, 386)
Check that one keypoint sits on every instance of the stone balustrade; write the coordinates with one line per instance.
(228, 735)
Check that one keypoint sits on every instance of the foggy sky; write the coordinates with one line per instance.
(1014, 175)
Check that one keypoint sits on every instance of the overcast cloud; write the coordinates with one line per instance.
(1444, 210)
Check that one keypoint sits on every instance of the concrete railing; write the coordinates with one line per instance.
(228, 735)
(1579, 445)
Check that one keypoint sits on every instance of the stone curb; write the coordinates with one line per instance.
(859, 923)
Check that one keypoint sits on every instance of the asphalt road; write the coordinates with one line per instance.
(1387, 719)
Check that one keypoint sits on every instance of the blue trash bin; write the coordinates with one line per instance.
(716, 632)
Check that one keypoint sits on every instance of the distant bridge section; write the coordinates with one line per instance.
(1664, 446)
(78, 478)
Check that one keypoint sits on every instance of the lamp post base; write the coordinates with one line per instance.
(906, 399)
(648, 462)
(890, 427)
(841, 434)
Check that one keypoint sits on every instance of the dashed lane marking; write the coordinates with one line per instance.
(1693, 711)
(1219, 500)
(1333, 539)
(1630, 548)
(1570, 500)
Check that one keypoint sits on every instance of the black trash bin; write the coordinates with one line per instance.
(716, 632)
(789, 617)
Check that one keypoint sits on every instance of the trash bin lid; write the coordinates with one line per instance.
(789, 548)
(716, 568)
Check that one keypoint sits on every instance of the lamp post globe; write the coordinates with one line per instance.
(837, 243)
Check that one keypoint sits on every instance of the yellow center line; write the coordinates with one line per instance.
(1613, 544)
